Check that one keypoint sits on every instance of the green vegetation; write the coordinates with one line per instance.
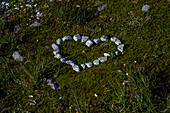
(142, 86)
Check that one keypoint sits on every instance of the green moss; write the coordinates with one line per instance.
(146, 43)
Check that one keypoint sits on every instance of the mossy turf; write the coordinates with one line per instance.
(142, 86)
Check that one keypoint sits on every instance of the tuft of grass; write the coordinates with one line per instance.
(74, 15)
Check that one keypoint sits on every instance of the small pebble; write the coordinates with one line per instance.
(63, 60)
(84, 38)
(83, 66)
(89, 64)
(95, 95)
(145, 8)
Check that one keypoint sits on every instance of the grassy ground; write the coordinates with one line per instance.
(142, 86)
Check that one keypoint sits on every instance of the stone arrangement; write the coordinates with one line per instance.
(89, 43)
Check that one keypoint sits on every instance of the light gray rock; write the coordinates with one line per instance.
(96, 62)
(145, 8)
(104, 38)
(52, 83)
(118, 42)
(116, 53)
(102, 59)
(106, 54)
(89, 64)
(101, 8)
(89, 43)
(72, 64)
(83, 66)
(120, 47)
(113, 39)
(59, 41)
(66, 38)
(58, 56)
(76, 68)
(120, 71)
(97, 40)
(69, 62)
(63, 60)
(55, 47)
(84, 38)
(35, 24)
(76, 37)
(17, 56)
(30, 96)
(55, 52)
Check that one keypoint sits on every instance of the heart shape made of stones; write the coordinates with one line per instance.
(89, 43)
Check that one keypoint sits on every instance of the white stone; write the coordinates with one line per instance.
(102, 59)
(69, 62)
(77, 5)
(89, 43)
(89, 64)
(116, 52)
(59, 41)
(83, 66)
(84, 38)
(58, 56)
(113, 39)
(101, 8)
(104, 38)
(30, 96)
(63, 60)
(120, 47)
(96, 62)
(66, 38)
(35, 24)
(28, 5)
(72, 64)
(76, 37)
(97, 40)
(117, 42)
(106, 54)
(55, 52)
(17, 56)
(76, 68)
(145, 8)
(120, 71)
(52, 83)
(95, 95)
(55, 47)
